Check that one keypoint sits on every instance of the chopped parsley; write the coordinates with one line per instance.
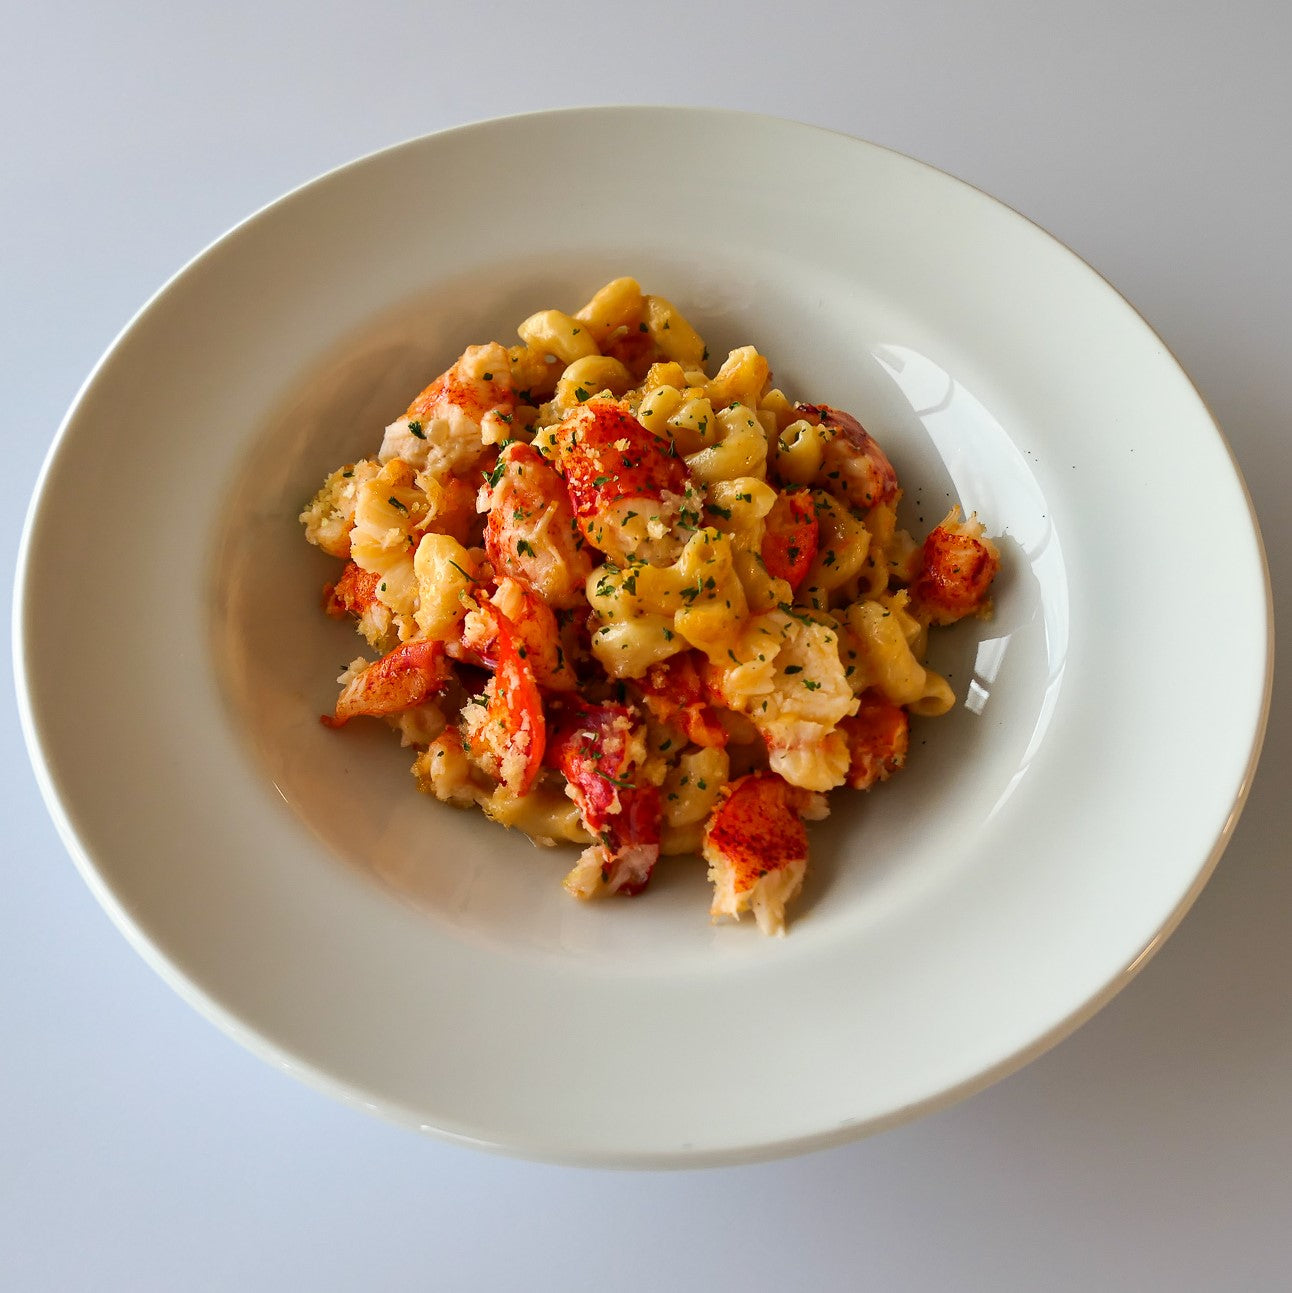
(622, 782)
(415, 428)
(795, 614)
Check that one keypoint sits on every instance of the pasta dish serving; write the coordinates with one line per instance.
(621, 600)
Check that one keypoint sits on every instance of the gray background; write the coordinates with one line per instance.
(141, 1149)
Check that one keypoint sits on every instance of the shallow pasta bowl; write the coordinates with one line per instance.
(289, 882)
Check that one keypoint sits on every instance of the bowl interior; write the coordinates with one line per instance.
(279, 655)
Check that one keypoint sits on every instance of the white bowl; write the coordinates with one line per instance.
(425, 964)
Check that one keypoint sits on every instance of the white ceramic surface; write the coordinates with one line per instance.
(423, 963)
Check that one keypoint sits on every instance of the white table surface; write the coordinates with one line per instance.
(141, 1149)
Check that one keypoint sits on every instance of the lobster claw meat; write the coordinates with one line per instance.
(513, 730)
(592, 747)
(852, 457)
(957, 566)
(792, 537)
(401, 679)
(621, 478)
(756, 846)
(674, 691)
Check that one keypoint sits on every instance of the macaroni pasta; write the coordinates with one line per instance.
(621, 601)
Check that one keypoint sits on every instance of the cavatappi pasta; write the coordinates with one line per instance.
(624, 598)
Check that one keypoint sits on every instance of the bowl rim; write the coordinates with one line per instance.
(279, 1054)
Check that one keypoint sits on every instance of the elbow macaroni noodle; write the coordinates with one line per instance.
(666, 613)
